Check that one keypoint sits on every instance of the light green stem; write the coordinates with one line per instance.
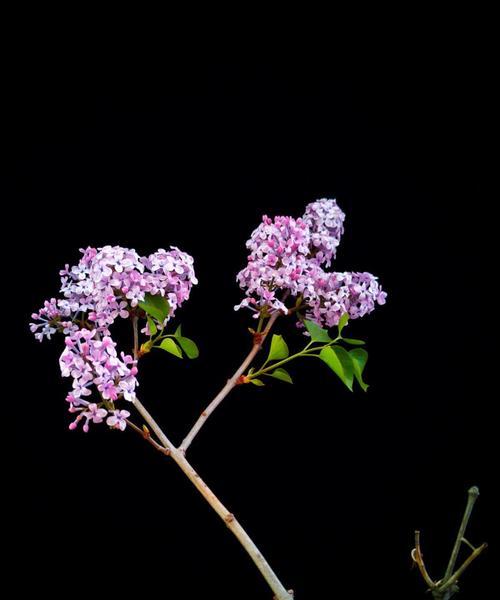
(472, 497)
(306, 351)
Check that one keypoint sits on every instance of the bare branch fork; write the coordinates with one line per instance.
(447, 587)
(165, 446)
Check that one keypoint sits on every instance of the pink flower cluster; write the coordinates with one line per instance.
(326, 222)
(92, 361)
(109, 280)
(279, 251)
(107, 283)
(287, 257)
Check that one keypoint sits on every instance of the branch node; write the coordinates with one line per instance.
(258, 338)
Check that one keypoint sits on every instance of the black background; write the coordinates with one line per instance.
(330, 485)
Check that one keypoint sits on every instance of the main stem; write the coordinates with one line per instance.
(229, 519)
(178, 454)
(230, 384)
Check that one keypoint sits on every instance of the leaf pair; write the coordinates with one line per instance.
(346, 365)
(176, 342)
(278, 351)
(157, 307)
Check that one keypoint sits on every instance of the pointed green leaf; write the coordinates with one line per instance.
(257, 382)
(343, 322)
(189, 347)
(353, 342)
(152, 326)
(317, 333)
(340, 362)
(279, 349)
(156, 306)
(178, 331)
(282, 375)
(169, 345)
(359, 357)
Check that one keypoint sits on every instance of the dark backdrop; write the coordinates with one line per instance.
(330, 484)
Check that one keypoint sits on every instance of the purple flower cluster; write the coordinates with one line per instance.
(326, 222)
(279, 250)
(287, 257)
(107, 283)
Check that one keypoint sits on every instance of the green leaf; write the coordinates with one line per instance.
(178, 332)
(343, 322)
(169, 345)
(279, 349)
(353, 342)
(317, 333)
(359, 357)
(189, 347)
(257, 382)
(282, 375)
(339, 360)
(156, 306)
(152, 326)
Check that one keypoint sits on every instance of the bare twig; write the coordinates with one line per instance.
(147, 436)
(446, 587)
(472, 496)
(419, 560)
(454, 578)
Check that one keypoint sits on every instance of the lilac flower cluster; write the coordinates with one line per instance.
(279, 250)
(326, 222)
(107, 283)
(287, 257)
(92, 361)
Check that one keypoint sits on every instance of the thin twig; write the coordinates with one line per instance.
(147, 436)
(473, 494)
(136, 337)
(419, 560)
(231, 383)
(454, 578)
